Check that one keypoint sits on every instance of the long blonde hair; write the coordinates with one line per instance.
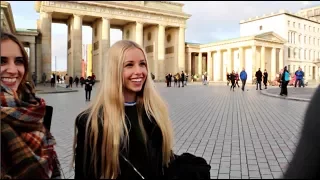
(108, 109)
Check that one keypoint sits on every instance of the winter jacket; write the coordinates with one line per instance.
(243, 75)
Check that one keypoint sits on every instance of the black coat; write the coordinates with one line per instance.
(88, 84)
(259, 75)
(232, 77)
(148, 161)
(265, 77)
(306, 160)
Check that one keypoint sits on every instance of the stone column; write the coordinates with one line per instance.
(230, 60)
(209, 66)
(181, 50)
(281, 62)
(159, 69)
(200, 64)
(189, 63)
(45, 29)
(32, 60)
(254, 63)
(139, 33)
(105, 45)
(263, 58)
(77, 45)
(273, 63)
(218, 64)
(241, 59)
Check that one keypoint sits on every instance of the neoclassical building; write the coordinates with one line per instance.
(267, 42)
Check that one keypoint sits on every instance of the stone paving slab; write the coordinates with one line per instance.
(240, 134)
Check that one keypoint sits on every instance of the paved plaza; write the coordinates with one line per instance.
(241, 134)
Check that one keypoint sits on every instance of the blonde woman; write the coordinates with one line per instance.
(126, 131)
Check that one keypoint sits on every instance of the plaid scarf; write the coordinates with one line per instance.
(27, 147)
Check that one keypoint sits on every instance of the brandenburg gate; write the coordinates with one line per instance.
(159, 27)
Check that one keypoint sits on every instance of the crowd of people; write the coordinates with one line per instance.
(179, 78)
(125, 133)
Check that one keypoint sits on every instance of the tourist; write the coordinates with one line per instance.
(265, 79)
(243, 77)
(34, 78)
(285, 78)
(233, 80)
(82, 81)
(76, 80)
(299, 77)
(44, 78)
(167, 80)
(27, 147)
(237, 79)
(170, 79)
(53, 79)
(228, 78)
(127, 122)
(70, 81)
(259, 78)
(305, 163)
(88, 87)
(182, 78)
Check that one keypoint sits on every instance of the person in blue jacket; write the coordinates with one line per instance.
(243, 77)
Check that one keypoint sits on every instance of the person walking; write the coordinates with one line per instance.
(27, 146)
(34, 78)
(243, 77)
(182, 78)
(124, 134)
(259, 78)
(299, 77)
(228, 78)
(233, 80)
(44, 78)
(53, 80)
(76, 80)
(82, 81)
(284, 82)
(88, 87)
(70, 81)
(265, 79)
(237, 79)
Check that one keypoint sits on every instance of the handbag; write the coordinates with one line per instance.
(188, 166)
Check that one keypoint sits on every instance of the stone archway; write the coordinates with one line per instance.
(132, 17)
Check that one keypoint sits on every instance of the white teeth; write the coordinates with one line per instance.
(10, 80)
(136, 80)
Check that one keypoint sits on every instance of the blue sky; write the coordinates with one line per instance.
(210, 21)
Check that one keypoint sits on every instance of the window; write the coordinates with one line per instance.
(309, 40)
(288, 23)
(310, 54)
(294, 24)
(314, 29)
(305, 39)
(260, 28)
(314, 41)
(289, 52)
(300, 38)
(309, 28)
(289, 37)
(299, 26)
(305, 54)
(305, 27)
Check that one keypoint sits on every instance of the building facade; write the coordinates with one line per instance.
(301, 32)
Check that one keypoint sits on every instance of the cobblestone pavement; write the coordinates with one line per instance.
(241, 134)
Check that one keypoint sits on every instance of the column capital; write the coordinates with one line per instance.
(78, 15)
(107, 18)
(162, 24)
(140, 22)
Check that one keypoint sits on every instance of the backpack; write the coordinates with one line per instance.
(188, 166)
